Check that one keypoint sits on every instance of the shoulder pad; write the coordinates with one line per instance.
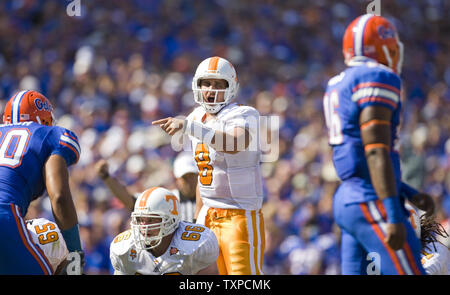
(336, 79)
(239, 111)
(65, 143)
(122, 243)
(196, 114)
(189, 237)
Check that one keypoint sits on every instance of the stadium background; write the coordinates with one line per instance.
(122, 64)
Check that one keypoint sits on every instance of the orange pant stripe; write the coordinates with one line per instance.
(37, 254)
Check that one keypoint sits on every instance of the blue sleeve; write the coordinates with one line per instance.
(65, 143)
(377, 87)
(407, 191)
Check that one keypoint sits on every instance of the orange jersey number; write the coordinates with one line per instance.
(123, 236)
(203, 162)
(46, 233)
(193, 235)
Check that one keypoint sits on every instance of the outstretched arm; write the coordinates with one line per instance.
(231, 142)
(118, 189)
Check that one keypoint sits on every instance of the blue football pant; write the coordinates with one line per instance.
(19, 255)
(363, 250)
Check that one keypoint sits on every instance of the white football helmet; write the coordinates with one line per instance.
(215, 68)
(156, 202)
(414, 218)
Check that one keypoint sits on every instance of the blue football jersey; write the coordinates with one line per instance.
(24, 149)
(364, 83)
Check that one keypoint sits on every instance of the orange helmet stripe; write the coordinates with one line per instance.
(145, 196)
(213, 62)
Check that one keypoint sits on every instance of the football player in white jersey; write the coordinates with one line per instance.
(224, 139)
(47, 236)
(159, 243)
(435, 255)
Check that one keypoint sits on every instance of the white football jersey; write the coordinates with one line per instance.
(47, 235)
(436, 262)
(229, 180)
(193, 248)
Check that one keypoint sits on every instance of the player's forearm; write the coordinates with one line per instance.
(66, 218)
(233, 141)
(383, 180)
(64, 210)
(381, 173)
(56, 178)
(198, 202)
(227, 143)
(120, 192)
(57, 184)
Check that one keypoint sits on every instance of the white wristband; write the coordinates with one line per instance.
(199, 131)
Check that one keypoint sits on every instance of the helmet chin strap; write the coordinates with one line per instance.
(398, 67)
(400, 59)
(153, 243)
(142, 240)
(53, 119)
(388, 57)
(219, 107)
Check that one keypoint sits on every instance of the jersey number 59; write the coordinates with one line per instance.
(46, 233)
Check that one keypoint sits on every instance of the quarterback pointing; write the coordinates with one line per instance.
(159, 243)
(224, 140)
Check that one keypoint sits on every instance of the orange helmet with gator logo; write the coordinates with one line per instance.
(29, 105)
(374, 37)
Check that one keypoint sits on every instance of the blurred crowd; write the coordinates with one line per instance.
(121, 64)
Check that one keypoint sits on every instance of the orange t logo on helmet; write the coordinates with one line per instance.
(28, 105)
(374, 37)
